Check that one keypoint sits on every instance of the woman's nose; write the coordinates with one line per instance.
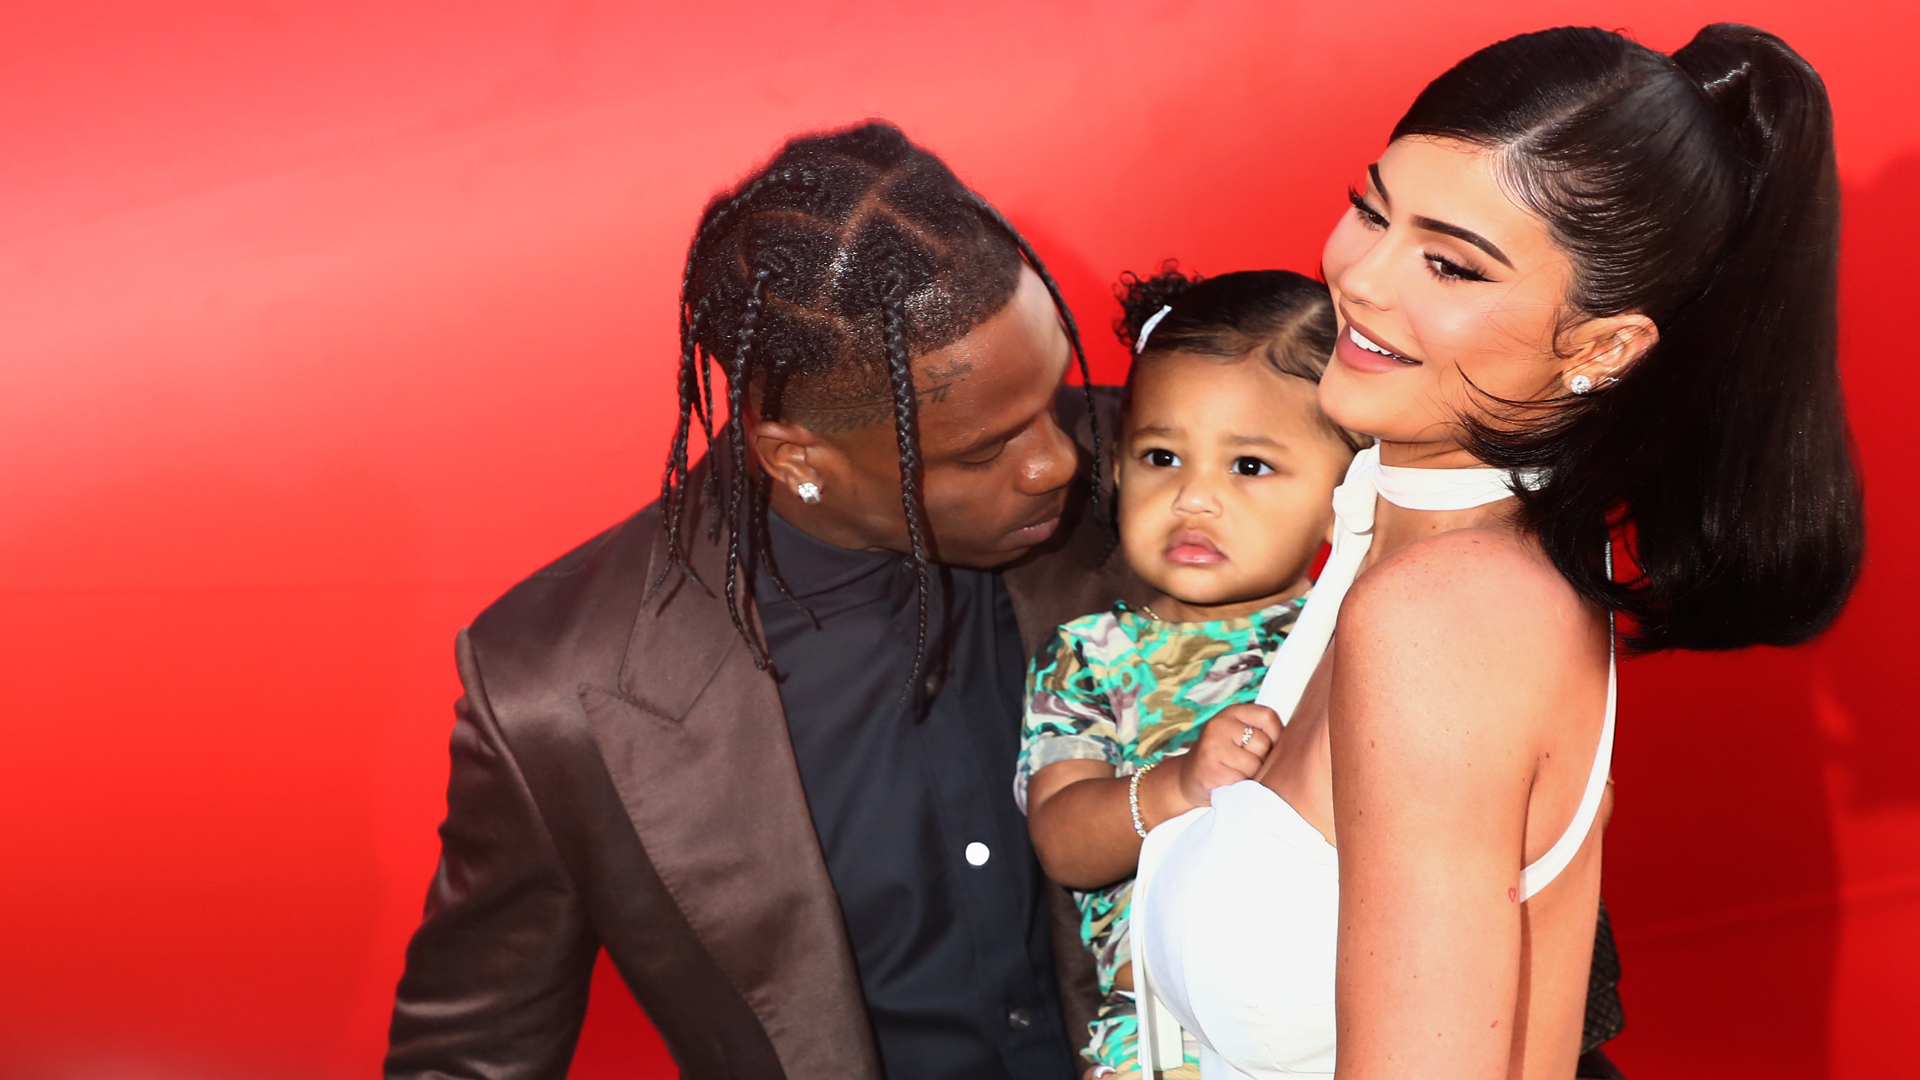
(1368, 280)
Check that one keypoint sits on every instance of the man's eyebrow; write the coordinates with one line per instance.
(987, 440)
(1458, 233)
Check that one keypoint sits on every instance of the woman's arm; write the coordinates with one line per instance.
(1434, 717)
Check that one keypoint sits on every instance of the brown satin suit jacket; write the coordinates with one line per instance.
(622, 777)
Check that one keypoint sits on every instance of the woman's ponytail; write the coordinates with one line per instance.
(1698, 190)
(1764, 546)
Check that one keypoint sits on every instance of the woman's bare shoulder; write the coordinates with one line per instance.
(1464, 577)
(1454, 619)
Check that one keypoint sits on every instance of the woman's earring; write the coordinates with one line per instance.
(808, 491)
(1579, 384)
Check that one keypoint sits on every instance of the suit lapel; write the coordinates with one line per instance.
(696, 743)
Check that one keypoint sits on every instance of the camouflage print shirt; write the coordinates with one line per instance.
(1128, 689)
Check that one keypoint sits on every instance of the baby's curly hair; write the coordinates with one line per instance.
(1286, 317)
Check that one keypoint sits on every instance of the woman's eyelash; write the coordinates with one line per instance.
(1447, 270)
(1441, 267)
(1367, 213)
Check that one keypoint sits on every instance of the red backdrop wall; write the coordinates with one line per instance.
(325, 322)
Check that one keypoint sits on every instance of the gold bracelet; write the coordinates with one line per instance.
(1133, 799)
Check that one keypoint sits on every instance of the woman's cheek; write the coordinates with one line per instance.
(1461, 339)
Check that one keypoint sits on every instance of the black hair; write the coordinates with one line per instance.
(1698, 190)
(813, 285)
(1287, 317)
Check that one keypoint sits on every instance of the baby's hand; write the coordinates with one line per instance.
(1230, 749)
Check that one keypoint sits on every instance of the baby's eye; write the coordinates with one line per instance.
(1161, 459)
(1250, 466)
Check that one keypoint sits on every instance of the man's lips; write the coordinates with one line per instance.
(1038, 531)
(1190, 548)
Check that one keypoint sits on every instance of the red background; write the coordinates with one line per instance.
(325, 322)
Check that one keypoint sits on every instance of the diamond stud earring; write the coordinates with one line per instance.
(808, 491)
(1579, 384)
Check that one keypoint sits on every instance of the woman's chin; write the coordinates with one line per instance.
(1357, 409)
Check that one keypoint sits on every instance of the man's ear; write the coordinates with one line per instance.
(784, 450)
(1608, 347)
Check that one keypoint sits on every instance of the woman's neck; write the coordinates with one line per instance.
(1396, 527)
(1428, 455)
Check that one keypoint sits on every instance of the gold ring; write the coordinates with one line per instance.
(1246, 736)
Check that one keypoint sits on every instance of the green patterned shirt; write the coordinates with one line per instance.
(1127, 689)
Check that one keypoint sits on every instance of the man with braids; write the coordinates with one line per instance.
(758, 741)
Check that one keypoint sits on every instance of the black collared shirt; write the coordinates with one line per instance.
(911, 796)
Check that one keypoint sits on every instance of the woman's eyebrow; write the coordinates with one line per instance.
(1458, 233)
(1442, 227)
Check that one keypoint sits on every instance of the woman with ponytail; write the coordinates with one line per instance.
(1586, 306)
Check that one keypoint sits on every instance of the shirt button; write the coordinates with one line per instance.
(1019, 1019)
(978, 854)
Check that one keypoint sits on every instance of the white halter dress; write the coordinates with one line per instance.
(1260, 1005)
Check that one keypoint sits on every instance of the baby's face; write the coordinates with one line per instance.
(1226, 481)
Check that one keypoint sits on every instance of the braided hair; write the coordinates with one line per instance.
(814, 284)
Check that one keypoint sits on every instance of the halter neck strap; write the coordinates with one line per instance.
(1306, 643)
(1444, 489)
(1353, 506)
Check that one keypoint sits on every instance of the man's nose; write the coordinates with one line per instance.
(1051, 464)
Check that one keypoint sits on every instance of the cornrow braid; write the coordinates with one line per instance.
(742, 486)
(820, 279)
(906, 431)
(696, 377)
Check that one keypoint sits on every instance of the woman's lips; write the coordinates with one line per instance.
(1363, 352)
(1189, 548)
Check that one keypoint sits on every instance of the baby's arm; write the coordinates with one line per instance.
(1070, 750)
(1077, 810)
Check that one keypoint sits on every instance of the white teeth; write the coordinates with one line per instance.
(1361, 341)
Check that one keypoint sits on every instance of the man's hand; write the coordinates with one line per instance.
(1230, 749)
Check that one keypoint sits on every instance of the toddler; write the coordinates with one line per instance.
(1225, 469)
